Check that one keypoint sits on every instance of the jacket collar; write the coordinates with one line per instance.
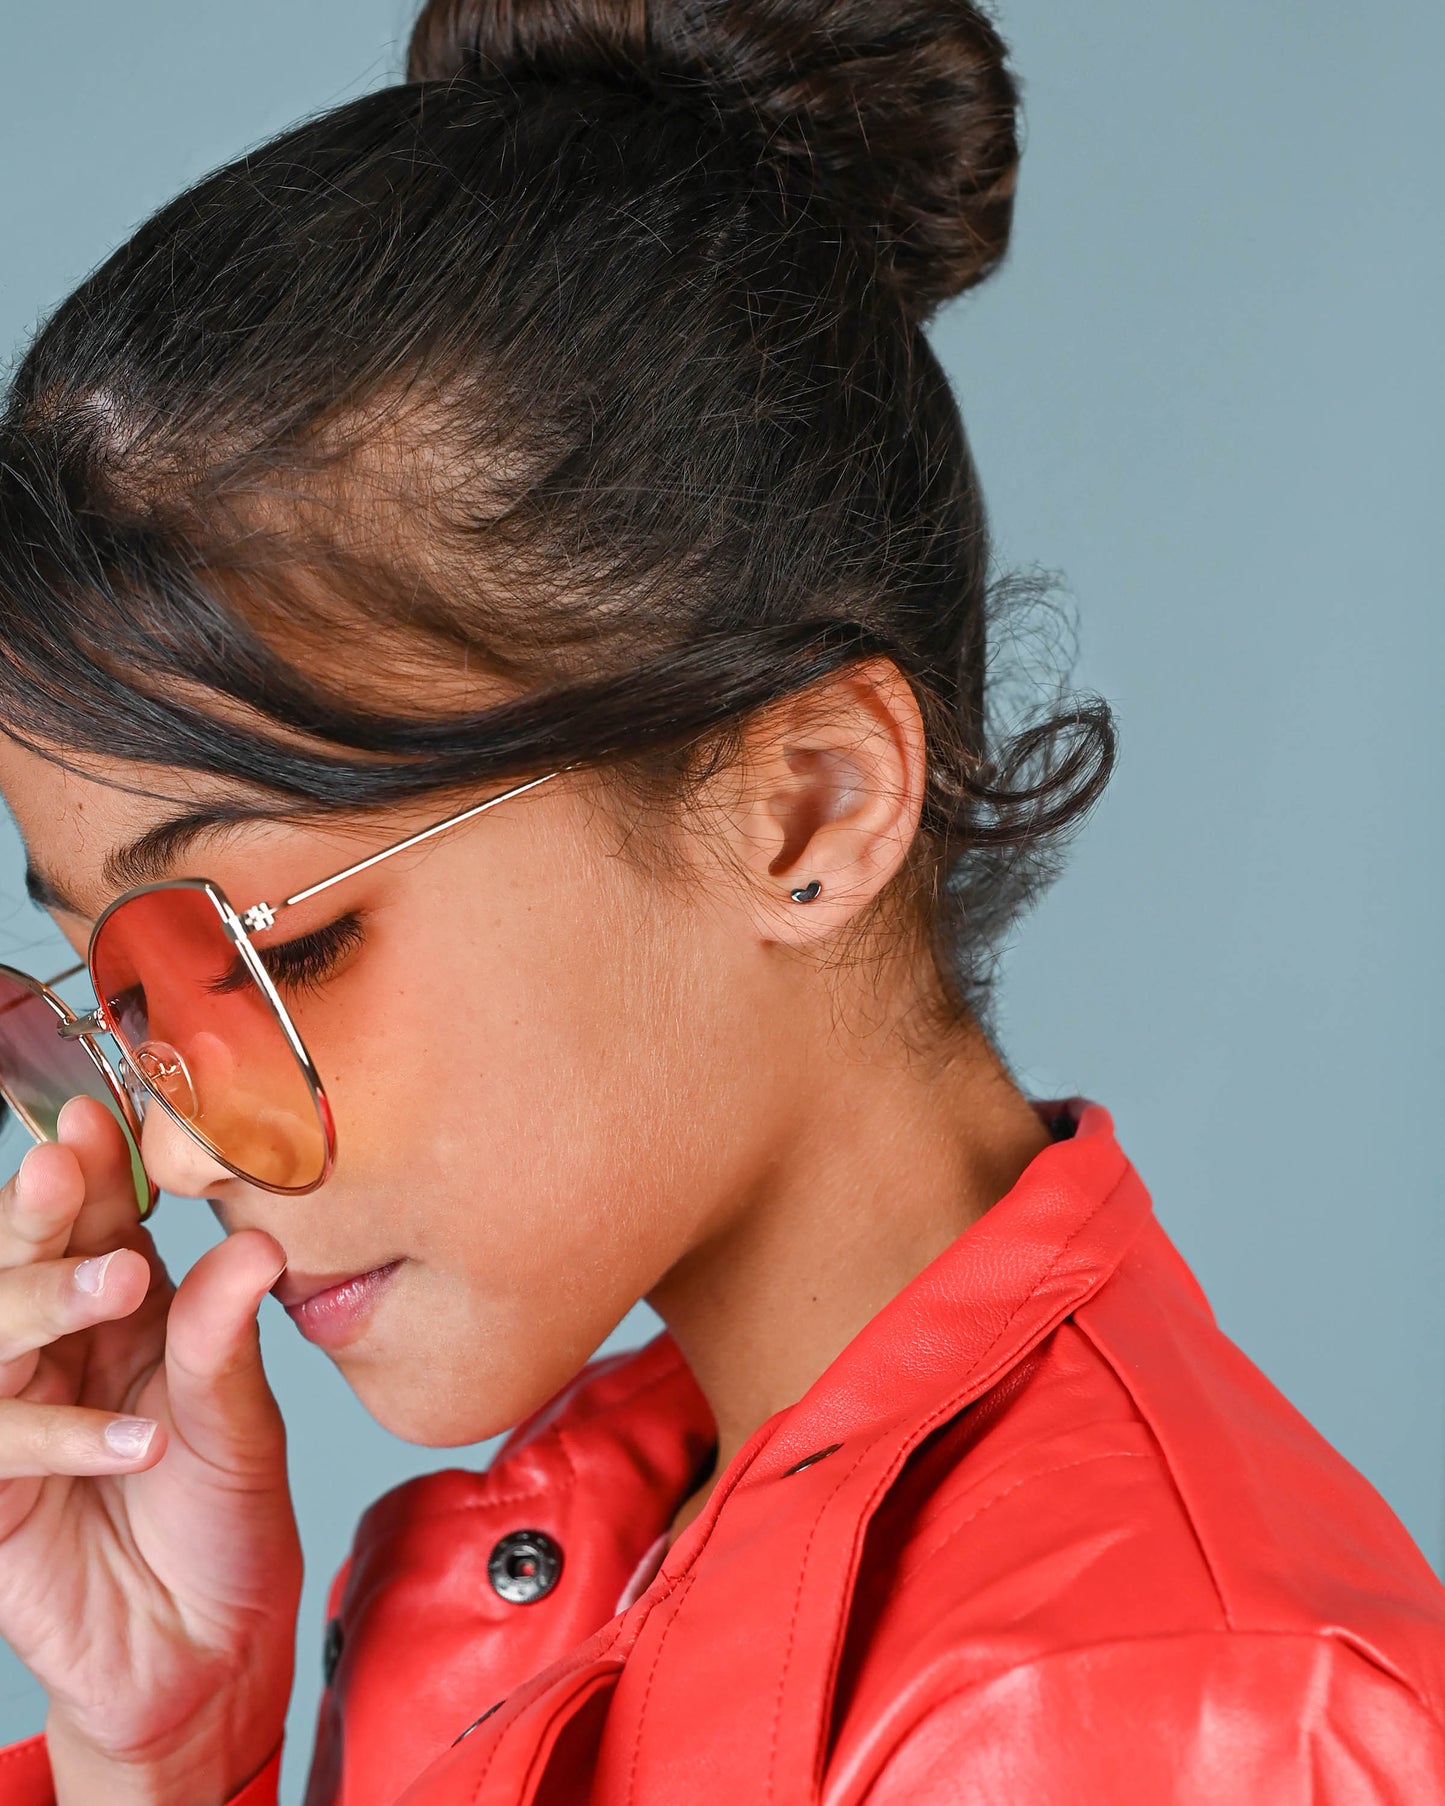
(1055, 1237)
(796, 1504)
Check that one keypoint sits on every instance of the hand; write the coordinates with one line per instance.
(149, 1563)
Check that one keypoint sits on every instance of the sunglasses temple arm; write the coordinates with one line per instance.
(93, 1021)
(452, 821)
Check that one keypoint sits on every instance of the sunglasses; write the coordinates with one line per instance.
(201, 1030)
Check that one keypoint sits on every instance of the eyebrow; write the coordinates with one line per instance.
(145, 860)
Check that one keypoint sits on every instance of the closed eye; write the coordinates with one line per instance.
(304, 964)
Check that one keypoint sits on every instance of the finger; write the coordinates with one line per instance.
(40, 1304)
(109, 1214)
(39, 1205)
(220, 1402)
(66, 1439)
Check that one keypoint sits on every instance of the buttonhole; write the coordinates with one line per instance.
(813, 1459)
(478, 1721)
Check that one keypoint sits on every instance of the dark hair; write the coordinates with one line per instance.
(591, 356)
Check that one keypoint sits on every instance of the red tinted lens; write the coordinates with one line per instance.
(39, 1072)
(188, 1012)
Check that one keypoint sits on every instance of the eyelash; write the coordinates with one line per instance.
(306, 963)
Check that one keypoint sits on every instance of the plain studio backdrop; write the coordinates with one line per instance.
(1206, 389)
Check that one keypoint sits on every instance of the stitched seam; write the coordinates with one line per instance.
(463, 1508)
(1063, 1467)
(818, 1516)
(942, 1414)
(1052, 1269)
(554, 1433)
(1186, 1508)
(675, 1599)
(951, 1406)
(503, 1730)
(980, 1378)
(711, 1513)
(630, 1397)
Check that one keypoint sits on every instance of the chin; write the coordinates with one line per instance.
(431, 1422)
(445, 1411)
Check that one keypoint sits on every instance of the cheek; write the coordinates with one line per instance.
(531, 1104)
(530, 1111)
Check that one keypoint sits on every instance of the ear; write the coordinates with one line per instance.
(833, 790)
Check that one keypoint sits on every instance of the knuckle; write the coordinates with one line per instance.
(18, 1431)
(28, 1232)
(44, 1439)
(15, 1345)
(48, 1384)
(39, 1304)
(22, 1234)
(17, 1374)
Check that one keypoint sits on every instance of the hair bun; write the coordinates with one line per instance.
(904, 112)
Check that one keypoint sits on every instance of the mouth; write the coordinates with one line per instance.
(329, 1309)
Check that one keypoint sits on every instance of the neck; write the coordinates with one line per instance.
(886, 1166)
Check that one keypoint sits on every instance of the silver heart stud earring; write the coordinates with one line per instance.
(807, 893)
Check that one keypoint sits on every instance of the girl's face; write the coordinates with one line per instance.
(551, 1075)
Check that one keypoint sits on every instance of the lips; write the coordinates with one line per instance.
(331, 1309)
(294, 1288)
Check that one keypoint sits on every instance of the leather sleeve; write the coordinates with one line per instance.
(25, 1774)
(1193, 1720)
(25, 1778)
(262, 1791)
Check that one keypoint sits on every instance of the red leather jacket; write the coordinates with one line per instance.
(1040, 1534)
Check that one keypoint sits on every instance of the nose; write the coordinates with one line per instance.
(175, 1159)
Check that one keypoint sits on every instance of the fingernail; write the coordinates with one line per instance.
(65, 1123)
(129, 1437)
(90, 1274)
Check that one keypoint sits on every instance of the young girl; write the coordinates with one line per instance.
(494, 605)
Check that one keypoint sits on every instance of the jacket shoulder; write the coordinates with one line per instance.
(1133, 1484)
(1194, 1719)
(1042, 1516)
(1295, 1539)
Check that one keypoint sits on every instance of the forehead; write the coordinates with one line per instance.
(92, 831)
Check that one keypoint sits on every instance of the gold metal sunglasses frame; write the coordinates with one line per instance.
(110, 1078)
(238, 927)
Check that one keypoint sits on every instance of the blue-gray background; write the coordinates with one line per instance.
(1207, 389)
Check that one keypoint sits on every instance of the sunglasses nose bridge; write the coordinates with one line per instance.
(164, 1068)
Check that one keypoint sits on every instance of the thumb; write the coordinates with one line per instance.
(220, 1403)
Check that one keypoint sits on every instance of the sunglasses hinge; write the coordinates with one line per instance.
(91, 1023)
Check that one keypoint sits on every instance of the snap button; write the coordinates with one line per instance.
(524, 1567)
(331, 1650)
